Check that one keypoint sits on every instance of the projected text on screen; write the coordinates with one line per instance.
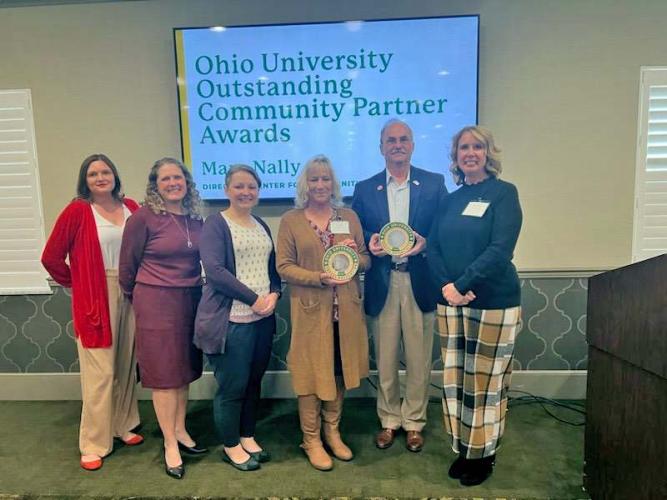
(273, 96)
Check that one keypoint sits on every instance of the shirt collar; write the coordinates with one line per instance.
(389, 179)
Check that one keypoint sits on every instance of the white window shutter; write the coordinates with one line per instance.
(21, 219)
(650, 218)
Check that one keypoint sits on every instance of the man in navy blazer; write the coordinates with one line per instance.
(400, 298)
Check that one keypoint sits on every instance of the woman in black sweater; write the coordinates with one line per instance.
(470, 254)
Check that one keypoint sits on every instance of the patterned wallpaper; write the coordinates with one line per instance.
(36, 333)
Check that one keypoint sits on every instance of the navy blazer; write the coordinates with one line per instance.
(370, 203)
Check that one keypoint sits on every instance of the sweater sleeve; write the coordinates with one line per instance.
(286, 257)
(434, 255)
(505, 230)
(135, 237)
(212, 246)
(60, 243)
(358, 235)
(275, 283)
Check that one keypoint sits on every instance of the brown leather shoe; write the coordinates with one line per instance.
(414, 441)
(385, 438)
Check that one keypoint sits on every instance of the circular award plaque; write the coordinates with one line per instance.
(396, 238)
(340, 262)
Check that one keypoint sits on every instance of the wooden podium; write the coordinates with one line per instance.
(626, 423)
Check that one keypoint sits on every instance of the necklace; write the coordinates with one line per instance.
(185, 233)
(316, 219)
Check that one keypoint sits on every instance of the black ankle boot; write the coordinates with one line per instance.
(477, 471)
(458, 467)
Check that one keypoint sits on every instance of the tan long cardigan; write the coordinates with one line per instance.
(310, 359)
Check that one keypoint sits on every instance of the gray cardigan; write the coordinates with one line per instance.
(222, 287)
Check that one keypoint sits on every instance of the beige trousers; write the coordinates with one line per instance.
(401, 320)
(108, 380)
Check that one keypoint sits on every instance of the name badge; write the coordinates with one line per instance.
(475, 208)
(339, 227)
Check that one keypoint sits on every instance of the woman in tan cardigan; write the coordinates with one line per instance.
(329, 345)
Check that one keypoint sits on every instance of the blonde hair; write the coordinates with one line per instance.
(153, 200)
(301, 200)
(493, 161)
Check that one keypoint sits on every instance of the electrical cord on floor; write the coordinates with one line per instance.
(512, 402)
(531, 399)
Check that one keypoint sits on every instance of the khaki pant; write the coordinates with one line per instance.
(108, 380)
(402, 320)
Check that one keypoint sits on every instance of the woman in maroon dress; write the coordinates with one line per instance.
(160, 271)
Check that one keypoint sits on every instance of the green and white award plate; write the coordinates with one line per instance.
(340, 262)
(396, 238)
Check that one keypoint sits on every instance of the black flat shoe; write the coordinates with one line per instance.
(248, 465)
(260, 456)
(176, 472)
(192, 450)
(477, 471)
(458, 467)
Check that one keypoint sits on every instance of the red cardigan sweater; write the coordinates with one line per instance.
(75, 233)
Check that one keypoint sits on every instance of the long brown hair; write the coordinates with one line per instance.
(82, 189)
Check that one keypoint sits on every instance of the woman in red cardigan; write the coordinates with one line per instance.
(88, 234)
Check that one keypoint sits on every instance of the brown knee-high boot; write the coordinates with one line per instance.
(331, 414)
(309, 417)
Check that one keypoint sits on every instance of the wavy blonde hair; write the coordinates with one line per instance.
(493, 161)
(191, 201)
(301, 200)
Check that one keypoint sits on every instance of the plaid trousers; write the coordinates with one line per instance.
(477, 346)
